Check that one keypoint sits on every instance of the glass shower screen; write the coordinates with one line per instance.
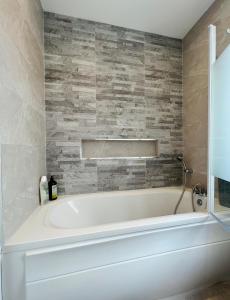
(220, 137)
(221, 116)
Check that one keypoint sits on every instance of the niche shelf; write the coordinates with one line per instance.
(118, 148)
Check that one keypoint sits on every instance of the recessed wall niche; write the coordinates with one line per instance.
(119, 148)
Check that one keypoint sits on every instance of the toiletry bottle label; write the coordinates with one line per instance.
(54, 191)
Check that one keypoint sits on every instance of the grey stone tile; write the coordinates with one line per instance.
(104, 81)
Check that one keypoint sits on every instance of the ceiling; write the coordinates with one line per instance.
(172, 18)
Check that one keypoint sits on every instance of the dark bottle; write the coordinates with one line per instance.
(52, 189)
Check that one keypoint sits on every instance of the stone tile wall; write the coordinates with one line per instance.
(104, 81)
(22, 113)
(195, 85)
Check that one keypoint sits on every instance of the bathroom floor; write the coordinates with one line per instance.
(219, 291)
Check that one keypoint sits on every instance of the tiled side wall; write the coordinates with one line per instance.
(22, 113)
(104, 81)
(195, 84)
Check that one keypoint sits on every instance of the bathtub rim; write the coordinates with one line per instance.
(18, 242)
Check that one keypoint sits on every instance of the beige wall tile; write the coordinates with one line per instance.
(195, 82)
(22, 114)
(21, 168)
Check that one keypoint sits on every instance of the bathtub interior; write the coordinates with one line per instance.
(115, 207)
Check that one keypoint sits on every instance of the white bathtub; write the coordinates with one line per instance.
(115, 246)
